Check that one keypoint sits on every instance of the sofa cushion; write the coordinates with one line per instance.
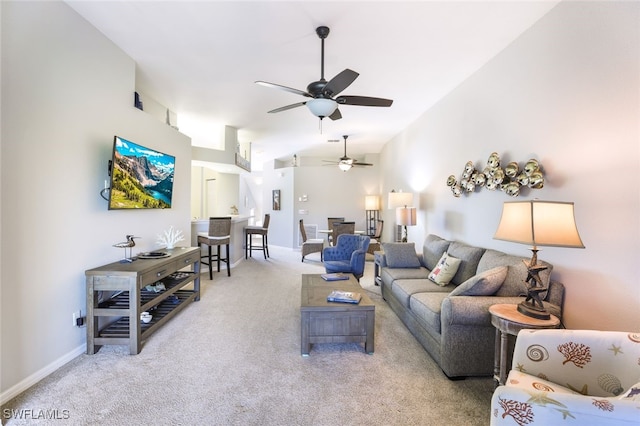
(444, 270)
(514, 283)
(469, 256)
(389, 275)
(427, 307)
(404, 289)
(484, 284)
(432, 250)
(401, 255)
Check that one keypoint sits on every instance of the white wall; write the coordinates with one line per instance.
(567, 93)
(66, 91)
(333, 193)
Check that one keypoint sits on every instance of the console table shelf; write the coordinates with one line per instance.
(116, 320)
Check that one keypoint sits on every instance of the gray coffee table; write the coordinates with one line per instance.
(330, 322)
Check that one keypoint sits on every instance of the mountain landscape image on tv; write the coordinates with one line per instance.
(141, 178)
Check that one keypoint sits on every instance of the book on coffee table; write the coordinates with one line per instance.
(344, 297)
(338, 276)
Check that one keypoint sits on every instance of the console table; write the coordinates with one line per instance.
(115, 320)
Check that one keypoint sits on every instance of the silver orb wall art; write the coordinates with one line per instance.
(509, 179)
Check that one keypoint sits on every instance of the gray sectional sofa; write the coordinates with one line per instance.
(452, 322)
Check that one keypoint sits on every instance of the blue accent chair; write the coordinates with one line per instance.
(348, 255)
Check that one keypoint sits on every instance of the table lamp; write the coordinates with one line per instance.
(404, 216)
(538, 223)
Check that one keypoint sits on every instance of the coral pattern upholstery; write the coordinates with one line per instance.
(571, 377)
(348, 255)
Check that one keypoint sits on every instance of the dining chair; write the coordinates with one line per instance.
(314, 245)
(331, 221)
(374, 244)
(219, 234)
(250, 231)
(340, 228)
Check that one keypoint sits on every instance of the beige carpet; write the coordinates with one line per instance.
(234, 359)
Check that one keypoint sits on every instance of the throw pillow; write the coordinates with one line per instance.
(444, 270)
(401, 255)
(484, 284)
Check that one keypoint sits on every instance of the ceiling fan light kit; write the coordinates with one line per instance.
(322, 103)
(346, 163)
(322, 107)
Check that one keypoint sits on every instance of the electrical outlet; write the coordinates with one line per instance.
(76, 315)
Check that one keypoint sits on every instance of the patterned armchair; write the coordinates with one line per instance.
(348, 255)
(566, 377)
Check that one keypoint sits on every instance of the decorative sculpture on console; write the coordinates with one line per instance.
(170, 237)
(509, 179)
(129, 244)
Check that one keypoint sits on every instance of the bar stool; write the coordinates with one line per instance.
(219, 234)
(250, 231)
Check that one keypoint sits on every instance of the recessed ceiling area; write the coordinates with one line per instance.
(201, 60)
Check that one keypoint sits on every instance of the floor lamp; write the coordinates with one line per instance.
(372, 207)
(538, 223)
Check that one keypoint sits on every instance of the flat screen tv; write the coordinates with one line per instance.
(141, 178)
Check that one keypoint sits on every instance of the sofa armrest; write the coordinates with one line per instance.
(357, 262)
(380, 259)
(471, 310)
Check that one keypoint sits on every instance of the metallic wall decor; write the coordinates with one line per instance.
(510, 179)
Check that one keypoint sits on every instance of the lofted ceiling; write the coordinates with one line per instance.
(201, 59)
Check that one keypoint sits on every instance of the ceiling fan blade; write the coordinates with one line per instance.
(336, 115)
(284, 108)
(357, 163)
(340, 82)
(285, 88)
(363, 101)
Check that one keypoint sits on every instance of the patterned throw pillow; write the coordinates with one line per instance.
(444, 270)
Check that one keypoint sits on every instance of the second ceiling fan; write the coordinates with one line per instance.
(345, 163)
(323, 102)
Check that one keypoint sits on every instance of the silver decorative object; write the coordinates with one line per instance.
(130, 243)
(510, 180)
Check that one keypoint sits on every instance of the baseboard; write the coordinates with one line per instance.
(25, 384)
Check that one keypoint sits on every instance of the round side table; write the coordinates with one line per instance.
(508, 321)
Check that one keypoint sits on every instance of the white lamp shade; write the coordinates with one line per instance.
(406, 216)
(400, 199)
(539, 223)
(372, 202)
(344, 165)
(321, 107)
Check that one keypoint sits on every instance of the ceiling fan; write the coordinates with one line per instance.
(322, 103)
(345, 163)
